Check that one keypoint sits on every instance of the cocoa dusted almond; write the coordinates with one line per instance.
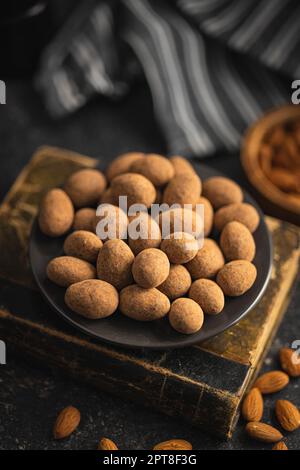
(221, 191)
(114, 263)
(122, 164)
(240, 212)
(181, 165)
(236, 277)
(236, 242)
(143, 304)
(207, 262)
(150, 268)
(186, 316)
(137, 189)
(84, 219)
(183, 189)
(208, 295)
(67, 270)
(83, 245)
(56, 213)
(156, 168)
(93, 299)
(85, 187)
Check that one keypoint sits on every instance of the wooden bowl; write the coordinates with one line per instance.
(272, 199)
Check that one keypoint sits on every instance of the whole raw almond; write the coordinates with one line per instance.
(280, 446)
(263, 432)
(289, 362)
(253, 406)
(107, 444)
(173, 444)
(272, 382)
(66, 422)
(287, 414)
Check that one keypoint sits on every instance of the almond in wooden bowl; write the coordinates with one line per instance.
(270, 156)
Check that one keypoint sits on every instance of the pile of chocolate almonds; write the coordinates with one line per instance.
(158, 273)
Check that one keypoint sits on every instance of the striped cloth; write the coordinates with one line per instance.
(213, 66)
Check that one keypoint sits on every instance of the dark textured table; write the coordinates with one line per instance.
(30, 397)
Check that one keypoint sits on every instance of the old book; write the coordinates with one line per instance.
(203, 384)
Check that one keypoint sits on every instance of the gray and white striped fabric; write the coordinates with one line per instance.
(213, 66)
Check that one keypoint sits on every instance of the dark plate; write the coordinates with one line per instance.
(123, 331)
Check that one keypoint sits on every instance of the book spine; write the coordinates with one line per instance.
(210, 409)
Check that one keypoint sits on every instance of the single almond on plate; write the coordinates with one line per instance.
(253, 406)
(280, 446)
(107, 444)
(287, 414)
(263, 432)
(290, 361)
(174, 444)
(66, 422)
(272, 382)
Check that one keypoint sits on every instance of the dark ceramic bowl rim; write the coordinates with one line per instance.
(183, 340)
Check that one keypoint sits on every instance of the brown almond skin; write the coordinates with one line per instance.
(137, 188)
(180, 248)
(240, 212)
(66, 422)
(114, 263)
(280, 446)
(183, 189)
(263, 432)
(85, 187)
(181, 165)
(111, 220)
(107, 444)
(208, 214)
(177, 283)
(93, 299)
(83, 245)
(208, 261)
(180, 220)
(147, 229)
(288, 415)
(155, 168)
(236, 242)
(143, 304)
(150, 268)
(208, 295)
(122, 164)
(272, 382)
(84, 219)
(186, 316)
(253, 405)
(236, 277)
(174, 444)
(56, 213)
(286, 356)
(221, 191)
(67, 270)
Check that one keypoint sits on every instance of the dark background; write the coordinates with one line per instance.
(30, 398)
